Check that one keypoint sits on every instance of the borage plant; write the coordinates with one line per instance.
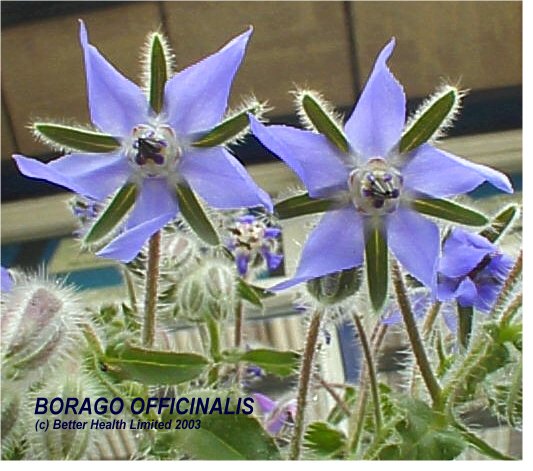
(382, 185)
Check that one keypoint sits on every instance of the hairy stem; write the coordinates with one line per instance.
(150, 300)
(371, 370)
(508, 285)
(303, 385)
(213, 330)
(511, 310)
(431, 317)
(328, 387)
(417, 345)
(357, 420)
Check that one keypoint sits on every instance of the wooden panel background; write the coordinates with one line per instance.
(304, 43)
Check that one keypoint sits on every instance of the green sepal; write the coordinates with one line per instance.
(500, 223)
(429, 122)
(445, 209)
(193, 212)
(152, 367)
(121, 203)
(324, 441)
(300, 205)
(226, 130)
(377, 265)
(465, 316)
(276, 362)
(78, 139)
(251, 293)
(323, 123)
(158, 73)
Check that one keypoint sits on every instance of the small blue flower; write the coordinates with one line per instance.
(254, 243)
(156, 151)
(372, 183)
(471, 270)
(276, 414)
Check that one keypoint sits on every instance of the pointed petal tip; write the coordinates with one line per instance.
(84, 39)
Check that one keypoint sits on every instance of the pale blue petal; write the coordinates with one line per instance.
(196, 98)
(128, 244)
(221, 180)
(6, 281)
(415, 242)
(336, 244)
(308, 154)
(116, 104)
(92, 175)
(440, 174)
(378, 119)
(155, 198)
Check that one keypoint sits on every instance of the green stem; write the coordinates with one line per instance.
(213, 330)
(303, 385)
(131, 290)
(508, 285)
(357, 419)
(372, 376)
(465, 316)
(417, 345)
(150, 301)
(238, 323)
(431, 317)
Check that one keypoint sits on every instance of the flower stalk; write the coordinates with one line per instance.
(417, 345)
(151, 287)
(303, 385)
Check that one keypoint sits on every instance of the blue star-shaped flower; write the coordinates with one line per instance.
(155, 148)
(372, 183)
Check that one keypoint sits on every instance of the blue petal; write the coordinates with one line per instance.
(336, 244)
(128, 244)
(242, 263)
(265, 403)
(466, 293)
(6, 281)
(308, 154)
(437, 173)
(462, 252)
(273, 260)
(378, 119)
(92, 175)
(415, 242)
(221, 180)
(155, 198)
(116, 104)
(196, 98)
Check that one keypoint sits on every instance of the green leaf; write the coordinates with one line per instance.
(424, 435)
(465, 317)
(444, 209)
(377, 266)
(323, 123)
(429, 122)
(324, 441)
(226, 130)
(75, 138)
(193, 212)
(500, 223)
(153, 367)
(300, 205)
(226, 437)
(251, 293)
(279, 363)
(158, 73)
(113, 214)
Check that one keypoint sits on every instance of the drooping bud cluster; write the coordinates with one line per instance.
(59, 444)
(207, 291)
(39, 329)
(254, 244)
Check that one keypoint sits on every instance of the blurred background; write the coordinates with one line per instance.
(328, 46)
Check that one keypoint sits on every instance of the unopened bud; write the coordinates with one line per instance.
(192, 299)
(39, 329)
(336, 287)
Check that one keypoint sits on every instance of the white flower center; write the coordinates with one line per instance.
(375, 189)
(248, 235)
(153, 150)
